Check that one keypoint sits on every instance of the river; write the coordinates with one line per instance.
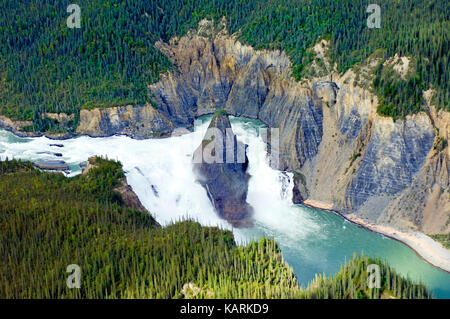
(159, 170)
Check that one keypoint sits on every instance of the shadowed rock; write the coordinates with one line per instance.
(51, 165)
(220, 166)
(329, 130)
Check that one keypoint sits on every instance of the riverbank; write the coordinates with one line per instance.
(424, 246)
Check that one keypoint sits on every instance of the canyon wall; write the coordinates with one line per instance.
(342, 152)
(135, 121)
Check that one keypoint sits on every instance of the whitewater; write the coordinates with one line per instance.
(160, 173)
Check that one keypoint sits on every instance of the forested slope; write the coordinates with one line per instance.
(47, 67)
(48, 222)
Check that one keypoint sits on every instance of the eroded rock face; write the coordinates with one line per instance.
(425, 204)
(342, 152)
(136, 121)
(216, 71)
(383, 171)
(326, 91)
(394, 154)
(220, 164)
(16, 127)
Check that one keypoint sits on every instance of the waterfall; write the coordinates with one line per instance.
(160, 172)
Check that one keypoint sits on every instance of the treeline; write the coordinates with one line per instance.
(48, 222)
(47, 67)
(351, 282)
(414, 28)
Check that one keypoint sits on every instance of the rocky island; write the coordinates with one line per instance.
(51, 165)
(358, 109)
(224, 175)
(342, 151)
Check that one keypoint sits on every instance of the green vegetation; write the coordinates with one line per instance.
(299, 176)
(444, 239)
(354, 157)
(48, 222)
(220, 112)
(47, 67)
(398, 95)
(441, 144)
(351, 283)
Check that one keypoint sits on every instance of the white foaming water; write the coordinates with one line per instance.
(160, 172)
(270, 193)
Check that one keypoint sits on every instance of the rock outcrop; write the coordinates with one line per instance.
(51, 165)
(25, 128)
(137, 121)
(17, 127)
(342, 152)
(216, 71)
(220, 164)
(425, 204)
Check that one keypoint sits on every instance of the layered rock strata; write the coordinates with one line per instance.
(342, 152)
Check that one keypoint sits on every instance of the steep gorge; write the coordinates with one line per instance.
(342, 152)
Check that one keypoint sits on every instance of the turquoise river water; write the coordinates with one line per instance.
(159, 170)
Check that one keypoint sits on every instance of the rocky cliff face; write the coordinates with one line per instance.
(383, 171)
(217, 71)
(16, 126)
(24, 128)
(342, 152)
(220, 164)
(425, 204)
(136, 121)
